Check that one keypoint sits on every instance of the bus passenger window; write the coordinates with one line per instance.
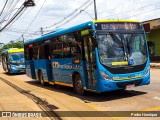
(42, 52)
(51, 51)
(66, 50)
(35, 53)
(57, 51)
(76, 51)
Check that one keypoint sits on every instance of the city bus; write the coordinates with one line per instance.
(98, 56)
(13, 60)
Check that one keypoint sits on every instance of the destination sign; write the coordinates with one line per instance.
(118, 26)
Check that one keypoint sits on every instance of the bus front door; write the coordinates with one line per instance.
(30, 70)
(90, 62)
(4, 62)
(48, 63)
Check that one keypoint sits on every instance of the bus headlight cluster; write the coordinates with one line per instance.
(13, 67)
(147, 71)
(105, 76)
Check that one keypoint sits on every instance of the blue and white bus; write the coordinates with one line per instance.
(97, 56)
(13, 60)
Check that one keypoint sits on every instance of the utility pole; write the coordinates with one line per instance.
(23, 38)
(41, 30)
(95, 10)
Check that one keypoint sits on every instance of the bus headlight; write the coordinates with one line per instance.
(105, 76)
(13, 67)
(147, 71)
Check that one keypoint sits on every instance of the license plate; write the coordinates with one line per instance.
(130, 86)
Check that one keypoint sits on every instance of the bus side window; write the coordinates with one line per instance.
(42, 52)
(35, 52)
(66, 50)
(30, 53)
(51, 51)
(57, 50)
(76, 51)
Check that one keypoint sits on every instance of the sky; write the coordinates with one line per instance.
(49, 15)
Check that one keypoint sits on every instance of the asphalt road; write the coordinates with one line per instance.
(146, 98)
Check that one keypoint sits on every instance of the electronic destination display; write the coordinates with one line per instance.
(118, 26)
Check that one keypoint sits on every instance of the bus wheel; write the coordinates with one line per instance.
(9, 71)
(78, 86)
(40, 77)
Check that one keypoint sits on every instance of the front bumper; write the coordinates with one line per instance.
(19, 70)
(103, 85)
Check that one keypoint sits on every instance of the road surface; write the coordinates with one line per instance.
(146, 98)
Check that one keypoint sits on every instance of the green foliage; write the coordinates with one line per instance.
(13, 44)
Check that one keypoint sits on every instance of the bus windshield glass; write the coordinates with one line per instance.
(16, 58)
(122, 49)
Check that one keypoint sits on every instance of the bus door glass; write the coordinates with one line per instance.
(8, 62)
(48, 60)
(30, 63)
(55, 56)
(4, 62)
(90, 61)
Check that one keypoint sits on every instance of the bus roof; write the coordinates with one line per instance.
(13, 50)
(73, 29)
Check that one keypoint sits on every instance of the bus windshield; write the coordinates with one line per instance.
(122, 49)
(16, 58)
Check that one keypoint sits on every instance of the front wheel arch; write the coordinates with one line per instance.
(78, 84)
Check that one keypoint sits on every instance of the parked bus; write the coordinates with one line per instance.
(97, 56)
(13, 60)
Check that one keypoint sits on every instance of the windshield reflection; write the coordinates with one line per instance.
(121, 49)
(17, 58)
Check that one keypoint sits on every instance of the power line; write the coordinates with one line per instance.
(23, 15)
(18, 13)
(132, 9)
(141, 13)
(62, 19)
(3, 7)
(10, 10)
(11, 20)
(69, 15)
(66, 20)
(69, 19)
(75, 15)
(34, 18)
(16, 18)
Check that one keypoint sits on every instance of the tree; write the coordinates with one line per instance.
(12, 44)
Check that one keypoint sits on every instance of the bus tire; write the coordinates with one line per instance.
(78, 86)
(40, 78)
(9, 71)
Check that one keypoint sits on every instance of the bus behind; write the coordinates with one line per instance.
(13, 60)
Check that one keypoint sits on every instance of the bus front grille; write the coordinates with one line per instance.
(124, 84)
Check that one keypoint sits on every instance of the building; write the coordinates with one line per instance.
(152, 28)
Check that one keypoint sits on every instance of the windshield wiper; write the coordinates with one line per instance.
(116, 39)
(120, 43)
(129, 41)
